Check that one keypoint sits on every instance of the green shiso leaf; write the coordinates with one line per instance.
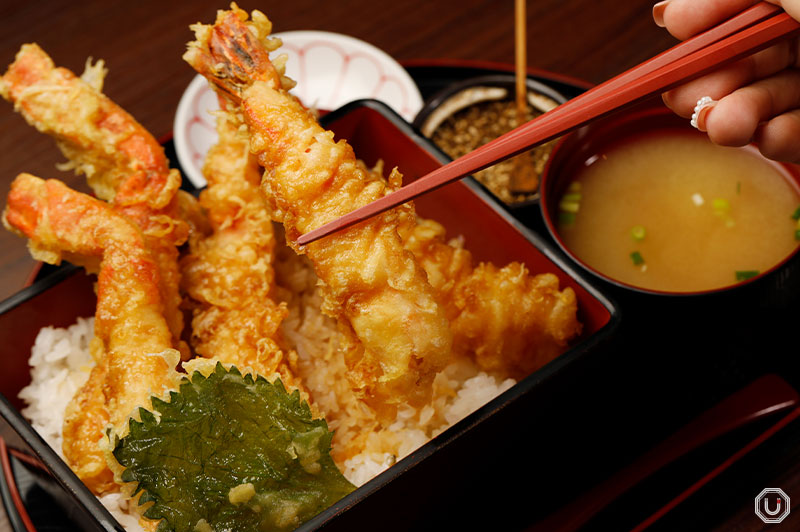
(222, 432)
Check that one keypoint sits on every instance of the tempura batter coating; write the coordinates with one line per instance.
(373, 286)
(510, 321)
(132, 345)
(123, 163)
(229, 274)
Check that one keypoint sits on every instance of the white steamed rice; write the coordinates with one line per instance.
(60, 363)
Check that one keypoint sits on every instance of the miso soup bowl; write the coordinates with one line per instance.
(582, 146)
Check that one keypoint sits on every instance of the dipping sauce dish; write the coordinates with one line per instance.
(474, 111)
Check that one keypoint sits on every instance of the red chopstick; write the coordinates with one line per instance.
(752, 30)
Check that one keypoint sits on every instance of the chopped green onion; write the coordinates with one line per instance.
(796, 215)
(569, 206)
(637, 259)
(638, 233)
(743, 275)
(722, 208)
(566, 218)
(797, 234)
(720, 205)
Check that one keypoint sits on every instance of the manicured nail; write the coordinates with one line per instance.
(658, 13)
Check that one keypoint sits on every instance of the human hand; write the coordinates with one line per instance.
(757, 98)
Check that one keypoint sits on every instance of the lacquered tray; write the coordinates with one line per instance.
(670, 359)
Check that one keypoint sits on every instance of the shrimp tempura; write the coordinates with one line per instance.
(132, 346)
(508, 320)
(229, 274)
(123, 163)
(374, 287)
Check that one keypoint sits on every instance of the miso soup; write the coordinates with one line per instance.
(674, 212)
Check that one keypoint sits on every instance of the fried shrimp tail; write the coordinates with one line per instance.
(372, 285)
(122, 162)
(132, 345)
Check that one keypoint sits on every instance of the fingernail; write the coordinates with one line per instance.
(658, 13)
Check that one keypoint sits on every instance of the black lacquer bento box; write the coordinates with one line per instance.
(478, 453)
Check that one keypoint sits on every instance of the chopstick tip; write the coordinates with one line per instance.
(306, 238)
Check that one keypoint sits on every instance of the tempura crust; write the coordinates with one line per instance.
(122, 161)
(132, 345)
(228, 274)
(373, 286)
(510, 321)
(76, 113)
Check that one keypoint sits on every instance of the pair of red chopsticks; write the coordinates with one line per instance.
(750, 31)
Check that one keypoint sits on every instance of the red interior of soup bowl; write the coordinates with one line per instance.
(577, 149)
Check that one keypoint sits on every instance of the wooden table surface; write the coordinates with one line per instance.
(142, 43)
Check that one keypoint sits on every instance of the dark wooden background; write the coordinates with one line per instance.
(142, 43)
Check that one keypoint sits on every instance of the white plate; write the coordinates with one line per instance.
(330, 69)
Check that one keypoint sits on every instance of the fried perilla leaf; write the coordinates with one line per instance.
(232, 452)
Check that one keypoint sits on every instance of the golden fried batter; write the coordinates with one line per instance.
(510, 321)
(229, 274)
(132, 345)
(123, 163)
(372, 285)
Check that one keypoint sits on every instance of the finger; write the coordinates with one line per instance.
(684, 18)
(729, 78)
(779, 138)
(790, 6)
(735, 118)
